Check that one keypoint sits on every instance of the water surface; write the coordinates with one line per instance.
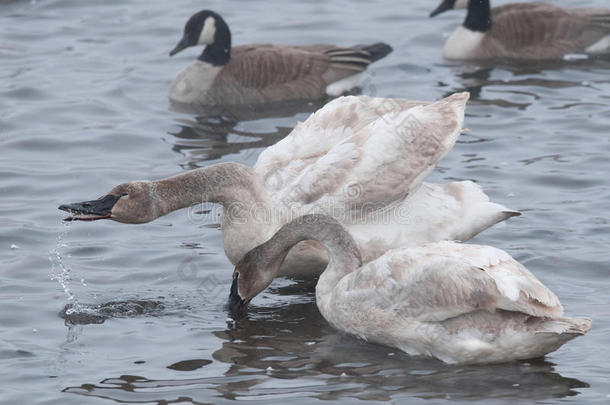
(110, 313)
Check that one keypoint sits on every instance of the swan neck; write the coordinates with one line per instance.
(342, 248)
(223, 183)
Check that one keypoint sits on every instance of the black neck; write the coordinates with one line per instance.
(479, 16)
(219, 52)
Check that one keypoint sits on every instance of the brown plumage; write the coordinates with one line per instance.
(534, 31)
(268, 73)
(263, 73)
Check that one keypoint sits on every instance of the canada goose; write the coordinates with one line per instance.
(535, 31)
(456, 302)
(263, 73)
(360, 159)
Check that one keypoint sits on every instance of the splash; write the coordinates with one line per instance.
(60, 271)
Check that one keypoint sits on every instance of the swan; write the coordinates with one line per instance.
(360, 159)
(460, 303)
(534, 31)
(263, 73)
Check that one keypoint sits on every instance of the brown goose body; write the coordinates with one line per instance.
(532, 31)
(263, 73)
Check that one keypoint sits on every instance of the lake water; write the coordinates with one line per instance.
(110, 313)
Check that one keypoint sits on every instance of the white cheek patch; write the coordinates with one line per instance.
(207, 33)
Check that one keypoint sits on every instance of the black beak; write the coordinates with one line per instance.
(445, 5)
(183, 44)
(237, 306)
(91, 210)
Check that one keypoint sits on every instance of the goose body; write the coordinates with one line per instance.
(459, 303)
(360, 159)
(533, 31)
(263, 73)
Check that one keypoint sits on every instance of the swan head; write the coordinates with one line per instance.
(449, 5)
(131, 203)
(254, 272)
(203, 28)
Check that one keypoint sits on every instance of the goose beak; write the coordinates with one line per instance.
(91, 210)
(183, 44)
(237, 305)
(445, 5)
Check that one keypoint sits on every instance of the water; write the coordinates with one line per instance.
(107, 313)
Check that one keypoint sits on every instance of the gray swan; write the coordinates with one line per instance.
(360, 159)
(460, 303)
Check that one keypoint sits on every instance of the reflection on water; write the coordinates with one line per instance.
(274, 359)
(288, 350)
(202, 139)
(508, 78)
(254, 112)
(85, 314)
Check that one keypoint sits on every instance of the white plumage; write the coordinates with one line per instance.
(460, 303)
(362, 160)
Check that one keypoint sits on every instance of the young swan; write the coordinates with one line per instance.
(361, 159)
(459, 303)
(534, 31)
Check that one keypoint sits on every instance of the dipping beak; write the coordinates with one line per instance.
(237, 306)
(183, 44)
(91, 210)
(445, 5)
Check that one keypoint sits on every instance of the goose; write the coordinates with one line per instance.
(360, 159)
(462, 304)
(533, 31)
(263, 73)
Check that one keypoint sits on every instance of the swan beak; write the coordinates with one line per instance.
(237, 306)
(91, 210)
(445, 5)
(183, 44)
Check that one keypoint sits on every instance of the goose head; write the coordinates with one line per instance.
(130, 203)
(207, 28)
(449, 5)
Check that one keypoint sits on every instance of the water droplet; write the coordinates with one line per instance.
(60, 271)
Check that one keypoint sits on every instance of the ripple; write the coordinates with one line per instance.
(86, 314)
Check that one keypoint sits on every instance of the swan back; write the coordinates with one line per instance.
(439, 281)
(459, 303)
(361, 152)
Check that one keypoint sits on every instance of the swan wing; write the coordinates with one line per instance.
(367, 152)
(443, 280)
(279, 165)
